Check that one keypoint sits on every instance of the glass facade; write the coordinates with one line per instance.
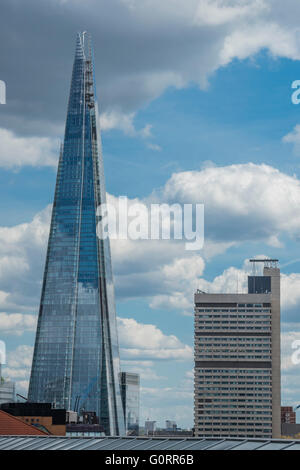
(7, 390)
(130, 390)
(76, 355)
(259, 284)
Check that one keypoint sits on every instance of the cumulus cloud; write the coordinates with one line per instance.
(162, 271)
(155, 147)
(142, 48)
(293, 138)
(218, 12)
(115, 119)
(290, 358)
(16, 151)
(146, 341)
(17, 323)
(233, 197)
(18, 366)
(22, 258)
(290, 287)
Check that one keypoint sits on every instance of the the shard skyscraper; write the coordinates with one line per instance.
(76, 355)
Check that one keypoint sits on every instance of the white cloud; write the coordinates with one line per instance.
(249, 40)
(216, 12)
(163, 271)
(155, 147)
(116, 119)
(17, 323)
(146, 341)
(290, 289)
(287, 351)
(293, 138)
(232, 197)
(150, 46)
(18, 151)
(18, 367)
(21, 357)
(22, 258)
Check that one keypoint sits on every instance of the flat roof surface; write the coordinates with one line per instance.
(143, 443)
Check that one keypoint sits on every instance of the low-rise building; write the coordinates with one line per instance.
(13, 426)
(40, 415)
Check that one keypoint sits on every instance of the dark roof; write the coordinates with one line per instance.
(14, 426)
(143, 443)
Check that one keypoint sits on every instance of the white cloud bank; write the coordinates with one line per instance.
(16, 151)
(150, 46)
(163, 271)
(17, 323)
(146, 341)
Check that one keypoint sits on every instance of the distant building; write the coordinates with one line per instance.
(80, 429)
(130, 393)
(71, 417)
(171, 425)
(170, 433)
(288, 415)
(40, 415)
(237, 360)
(290, 430)
(89, 417)
(85, 425)
(7, 392)
(150, 427)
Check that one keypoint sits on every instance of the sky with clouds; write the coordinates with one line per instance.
(196, 107)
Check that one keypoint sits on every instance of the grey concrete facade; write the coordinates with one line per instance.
(237, 363)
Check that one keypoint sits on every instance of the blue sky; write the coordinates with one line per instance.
(196, 107)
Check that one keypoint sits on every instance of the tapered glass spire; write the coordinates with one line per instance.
(76, 354)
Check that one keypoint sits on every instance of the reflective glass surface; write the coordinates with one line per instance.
(76, 355)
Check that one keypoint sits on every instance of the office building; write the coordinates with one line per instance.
(237, 359)
(7, 390)
(130, 390)
(171, 425)
(150, 427)
(76, 355)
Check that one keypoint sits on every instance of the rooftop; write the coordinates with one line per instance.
(12, 425)
(143, 443)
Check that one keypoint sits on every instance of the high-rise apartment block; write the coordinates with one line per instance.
(76, 354)
(237, 359)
